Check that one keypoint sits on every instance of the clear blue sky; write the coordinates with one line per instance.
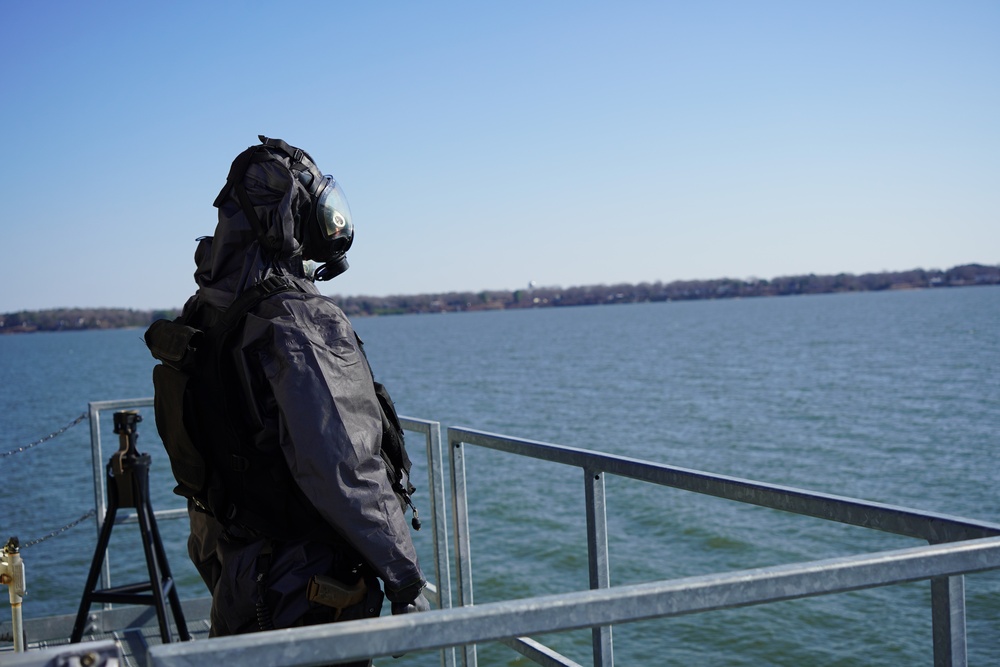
(484, 145)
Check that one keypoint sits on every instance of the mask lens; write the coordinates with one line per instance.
(332, 211)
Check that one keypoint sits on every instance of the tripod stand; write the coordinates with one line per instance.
(128, 486)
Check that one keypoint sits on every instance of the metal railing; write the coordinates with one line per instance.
(770, 584)
(956, 546)
(553, 613)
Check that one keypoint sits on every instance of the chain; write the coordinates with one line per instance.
(51, 436)
(59, 530)
(46, 438)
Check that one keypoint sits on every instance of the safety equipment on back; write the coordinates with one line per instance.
(220, 462)
(325, 230)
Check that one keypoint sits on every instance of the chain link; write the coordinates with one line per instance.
(59, 531)
(46, 438)
(51, 436)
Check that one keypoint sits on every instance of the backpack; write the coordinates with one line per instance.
(222, 463)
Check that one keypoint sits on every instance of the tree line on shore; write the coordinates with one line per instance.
(70, 319)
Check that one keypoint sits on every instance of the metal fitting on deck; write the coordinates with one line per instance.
(12, 576)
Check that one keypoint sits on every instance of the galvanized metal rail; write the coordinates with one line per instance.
(956, 546)
(498, 620)
(947, 588)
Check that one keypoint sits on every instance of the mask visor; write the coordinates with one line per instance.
(332, 212)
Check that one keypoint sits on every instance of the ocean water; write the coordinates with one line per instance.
(890, 396)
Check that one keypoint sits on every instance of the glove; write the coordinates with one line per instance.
(419, 604)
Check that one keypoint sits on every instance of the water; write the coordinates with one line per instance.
(891, 397)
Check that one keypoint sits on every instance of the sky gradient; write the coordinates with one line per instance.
(486, 145)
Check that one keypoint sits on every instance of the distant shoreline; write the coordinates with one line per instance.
(81, 319)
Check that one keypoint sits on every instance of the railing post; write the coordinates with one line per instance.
(463, 557)
(440, 521)
(100, 504)
(597, 551)
(948, 614)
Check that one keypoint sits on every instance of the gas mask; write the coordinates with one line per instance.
(323, 226)
(327, 230)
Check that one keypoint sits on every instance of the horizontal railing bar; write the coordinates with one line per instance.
(299, 647)
(121, 404)
(416, 425)
(933, 527)
(409, 423)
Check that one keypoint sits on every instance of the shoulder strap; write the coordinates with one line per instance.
(245, 302)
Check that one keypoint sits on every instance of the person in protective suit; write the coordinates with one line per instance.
(304, 394)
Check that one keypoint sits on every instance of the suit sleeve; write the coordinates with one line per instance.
(330, 432)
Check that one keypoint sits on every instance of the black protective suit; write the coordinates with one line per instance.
(308, 386)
